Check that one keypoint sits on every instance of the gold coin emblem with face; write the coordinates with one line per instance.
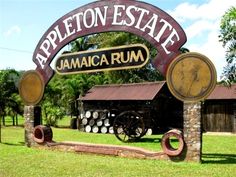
(191, 77)
(31, 87)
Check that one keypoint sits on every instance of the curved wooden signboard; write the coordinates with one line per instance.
(136, 17)
(114, 58)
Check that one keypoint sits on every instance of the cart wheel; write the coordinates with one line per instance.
(128, 126)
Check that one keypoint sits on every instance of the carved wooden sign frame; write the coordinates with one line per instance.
(136, 17)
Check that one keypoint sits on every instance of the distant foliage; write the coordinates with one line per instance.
(62, 91)
(10, 102)
(111, 39)
(228, 38)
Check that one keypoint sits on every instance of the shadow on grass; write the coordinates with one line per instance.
(147, 140)
(154, 140)
(14, 144)
(219, 158)
(20, 126)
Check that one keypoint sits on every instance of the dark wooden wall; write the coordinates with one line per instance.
(219, 116)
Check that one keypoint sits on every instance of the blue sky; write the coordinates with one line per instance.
(23, 22)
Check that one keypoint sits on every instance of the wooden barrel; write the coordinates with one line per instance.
(42, 134)
(107, 122)
(91, 122)
(104, 114)
(88, 114)
(84, 121)
(149, 132)
(88, 128)
(166, 145)
(95, 114)
(95, 129)
(103, 129)
(99, 122)
(111, 130)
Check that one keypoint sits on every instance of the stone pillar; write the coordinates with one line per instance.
(192, 131)
(30, 113)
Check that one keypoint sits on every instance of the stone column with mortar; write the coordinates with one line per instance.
(192, 131)
(29, 115)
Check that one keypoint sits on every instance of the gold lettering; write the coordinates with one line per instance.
(60, 68)
(66, 64)
(135, 57)
(115, 57)
(84, 62)
(75, 63)
(93, 60)
(123, 60)
(104, 60)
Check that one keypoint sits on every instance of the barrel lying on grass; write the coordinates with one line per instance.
(42, 134)
(166, 142)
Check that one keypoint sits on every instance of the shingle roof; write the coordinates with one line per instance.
(222, 92)
(140, 91)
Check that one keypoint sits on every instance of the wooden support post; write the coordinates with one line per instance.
(13, 120)
(3, 120)
(16, 119)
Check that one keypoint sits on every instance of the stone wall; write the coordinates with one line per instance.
(192, 133)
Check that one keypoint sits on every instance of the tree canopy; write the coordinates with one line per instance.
(9, 97)
(228, 38)
(10, 102)
(62, 91)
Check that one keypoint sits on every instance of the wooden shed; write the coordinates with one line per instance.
(152, 100)
(219, 110)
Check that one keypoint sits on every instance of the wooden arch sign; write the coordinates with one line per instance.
(136, 17)
(139, 18)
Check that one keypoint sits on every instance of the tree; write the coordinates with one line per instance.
(111, 39)
(8, 88)
(228, 38)
(80, 44)
(62, 91)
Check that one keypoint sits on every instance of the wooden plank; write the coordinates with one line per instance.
(217, 117)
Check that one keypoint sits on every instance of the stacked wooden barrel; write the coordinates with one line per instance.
(97, 121)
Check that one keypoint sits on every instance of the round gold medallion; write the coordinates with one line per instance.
(31, 87)
(191, 77)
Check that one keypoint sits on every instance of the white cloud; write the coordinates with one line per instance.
(211, 10)
(202, 24)
(12, 31)
(198, 28)
(213, 50)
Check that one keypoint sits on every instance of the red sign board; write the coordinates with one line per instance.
(136, 17)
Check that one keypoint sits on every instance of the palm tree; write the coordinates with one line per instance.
(228, 38)
(80, 44)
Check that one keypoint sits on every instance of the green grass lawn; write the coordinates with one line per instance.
(65, 122)
(219, 158)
